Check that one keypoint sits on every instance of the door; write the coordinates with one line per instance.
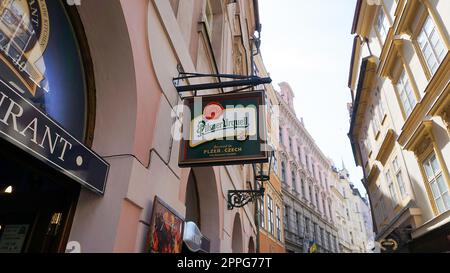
(37, 204)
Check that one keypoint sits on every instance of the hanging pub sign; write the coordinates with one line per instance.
(225, 129)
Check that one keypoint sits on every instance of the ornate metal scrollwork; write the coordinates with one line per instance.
(238, 199)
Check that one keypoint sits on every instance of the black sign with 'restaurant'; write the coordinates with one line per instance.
(25, 126)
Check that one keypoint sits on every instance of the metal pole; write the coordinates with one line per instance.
(257, 219)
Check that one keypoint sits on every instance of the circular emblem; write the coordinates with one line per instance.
(212, 110)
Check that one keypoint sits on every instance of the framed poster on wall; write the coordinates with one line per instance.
(166, 229)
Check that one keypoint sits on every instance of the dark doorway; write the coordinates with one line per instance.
(37, 204)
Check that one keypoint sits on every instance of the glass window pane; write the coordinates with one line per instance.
(428, 25)
(440, 51)
(434, 164)
(428, 170)
(442, 184)
(435, 190)
(446, 197)
(434, 38)
(440, 205)
(421, 39)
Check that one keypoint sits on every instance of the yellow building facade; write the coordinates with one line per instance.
(399, 80)
(270, 211)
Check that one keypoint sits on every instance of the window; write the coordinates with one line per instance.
(286, 217)
(290, 144)
(294, 181)
(329, 241)
(335, 244)
(275, 164)
(322, 237)
(431, 45)
(316, 232)
(399, 177)
(302, 182)
(307, 229)
(382, 25)
(329, 210)
(317, 199)
(261, 213)
(270, 214)
(313, 170)
(281, 135)
(391, 189)
(380, 107)
(406, 93)
(324, 208)
(375, 122)
(278, 223)
(310, 193)
(439, 187)
(307, 162)
(299, 155)
(283, 173)
(299, 224)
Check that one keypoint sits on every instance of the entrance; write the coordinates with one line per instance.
(37, 204)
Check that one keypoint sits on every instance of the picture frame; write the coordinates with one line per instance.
(165, 234)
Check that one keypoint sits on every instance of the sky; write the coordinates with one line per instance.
(307, 43)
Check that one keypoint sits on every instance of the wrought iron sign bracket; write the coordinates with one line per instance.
(240, 81)
(240, 198)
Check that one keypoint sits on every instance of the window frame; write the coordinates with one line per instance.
(278, 222)
(442, 174)
(381, 39)
(398, 171)
(270, 222)
(428, 13)
(262, 212)
(392, 189)
(399, 92)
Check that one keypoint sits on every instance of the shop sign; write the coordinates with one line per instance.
(27, 127)
(224, 129)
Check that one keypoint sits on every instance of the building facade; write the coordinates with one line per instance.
(305, 177)
(352, 215)
(270, 207)
(130, 53)
(399, 79)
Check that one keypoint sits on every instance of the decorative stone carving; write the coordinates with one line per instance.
(424, 144)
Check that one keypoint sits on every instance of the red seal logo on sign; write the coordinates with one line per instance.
(212, 110)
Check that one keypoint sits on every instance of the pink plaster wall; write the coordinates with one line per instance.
(127, 228)
(148, 91)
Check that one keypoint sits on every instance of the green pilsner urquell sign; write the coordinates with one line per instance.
(225, 129)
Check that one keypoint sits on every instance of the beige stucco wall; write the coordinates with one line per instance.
(409, 56)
